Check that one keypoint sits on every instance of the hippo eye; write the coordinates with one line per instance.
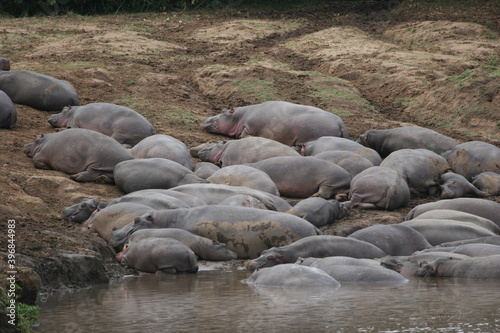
(83, 205)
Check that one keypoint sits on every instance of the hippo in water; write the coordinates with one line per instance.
(38, 91)
(480, 268)
(119, 122)
(389, 140)
(454, 185)
(288, 123)
(164, 255)
(87, 155)
(8, 113)
(163, 146)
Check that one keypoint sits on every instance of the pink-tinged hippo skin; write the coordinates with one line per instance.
(420, 168)
(246, 150)
(8, 112)
(352, 270)
(330, 143)
(472, 158)
(454, 185)
(244, 175)
(302, 177)
(393, 239)
(481, 207)
(351, 162)
(152, 173)
(204, 248)
(205, 169)
(441, 231)
(246, 231)
(163, 146)
(378, 187)
(488, 182)
(119, 122)
(84, 154)
(37, 90)
(291, 276)
(319, 211)
(316, 246)
(390, 140)
(288, 123)
(4, 64)
(160, 255)
(478, 268)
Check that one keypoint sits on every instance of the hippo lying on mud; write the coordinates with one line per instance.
(87, 155)
(454, 185)
(319, 211)
(8, 113)
(119, 122)
(38, 91)
(288, 123)
(163, 255)
(488, 182)
(163, 146)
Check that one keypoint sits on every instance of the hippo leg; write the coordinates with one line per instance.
(166, 270)
(325, 192)
(91, 175)
(41, 165)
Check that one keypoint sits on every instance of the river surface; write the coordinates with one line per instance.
(217, 301)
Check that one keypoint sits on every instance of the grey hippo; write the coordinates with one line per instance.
(316, 246)
(163, 146)
(291, 276)
(119, 122)
(483, 268)
(84, 154)
(351, 162)
(245, 150)
(160, 255)
(152, 173)
(37, 90)
(285, 122)
(205, 169)
(4, 64)
(204, 248)
(454, 185)
(302, 177)
(319, 211)
(488, 182)
(8, 112)
(387, 141)
(378, 187)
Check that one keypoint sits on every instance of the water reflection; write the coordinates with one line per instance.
(217, 301)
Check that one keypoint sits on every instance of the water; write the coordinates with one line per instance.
(217, 301)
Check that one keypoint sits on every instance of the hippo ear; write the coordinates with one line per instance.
(231, 111)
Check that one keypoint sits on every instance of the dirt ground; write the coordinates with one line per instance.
(417, 64)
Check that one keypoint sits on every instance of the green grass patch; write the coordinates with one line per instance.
(261, 90)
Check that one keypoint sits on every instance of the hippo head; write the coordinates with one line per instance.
(62, 119)
(339, 210)
(4, 64)
(431, 269)
(81, 212)
(33, 147)
(119, 238)
(227, 123)
(222, 252)
(120, 256)
(209, 152)
(268, 258)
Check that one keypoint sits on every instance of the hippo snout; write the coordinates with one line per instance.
(53, 120)
(28, 149)
(251, 265)
(210, 124)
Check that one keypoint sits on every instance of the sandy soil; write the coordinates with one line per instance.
(418, 64)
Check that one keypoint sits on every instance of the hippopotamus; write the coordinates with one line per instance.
(285, 122)
(163, 255)
(378, 187)
(80, 212)
(420, 168)
(119, 122)
(480, 268)
(4, 64)
(205, 169)
(476, 206)
(245, 200)
(331, 143)
(488, 182)
(472, 158)
(220, 223)
(244, 175)
(161, 199)
(351, 162)
(456, 215)
(291, 276)
(354, 271)
(246, 150)
(204, 248)
(163, 146)
(471, 250)
(495, 240)
(37, 90)
(8, 113)
(110, 218)
(393, 239)
(454, 185)
(152, 173)
(214, 194)
(302, 177)
(316, 246)
(85, 154)
(389, 140)
(319, 211)
(441, 231)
